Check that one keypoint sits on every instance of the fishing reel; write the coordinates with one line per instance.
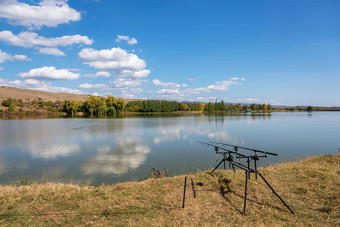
(229, 158)
(254, 157)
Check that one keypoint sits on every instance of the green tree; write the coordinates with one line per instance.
(111, 102)
(269, 107)
(120, 105)
(90, 104)
(254, 107)
(183, 107)
(11, 107)
(72, 107)
(309, 108)
(238, 107)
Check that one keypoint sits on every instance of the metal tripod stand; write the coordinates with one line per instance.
(249, 170)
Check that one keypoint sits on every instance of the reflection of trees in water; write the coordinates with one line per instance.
(128, 153)
(220, 118)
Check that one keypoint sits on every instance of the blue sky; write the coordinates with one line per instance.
(278, 52)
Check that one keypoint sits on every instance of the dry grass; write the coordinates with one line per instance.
(311, 187)
(29, 95)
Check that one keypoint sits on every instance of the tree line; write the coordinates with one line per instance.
(96, 106)
(111, 106)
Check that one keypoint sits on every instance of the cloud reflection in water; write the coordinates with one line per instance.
(181, 132)
(52, 151)
(128, 153)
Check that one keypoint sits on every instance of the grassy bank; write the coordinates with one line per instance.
(311, 187)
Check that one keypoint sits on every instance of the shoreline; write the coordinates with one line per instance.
(310, 187)
(47, 114)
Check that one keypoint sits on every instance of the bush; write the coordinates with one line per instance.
(8, 102)
(11, 107)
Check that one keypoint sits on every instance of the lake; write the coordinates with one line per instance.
(88, 151)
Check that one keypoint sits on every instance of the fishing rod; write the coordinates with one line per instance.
(249, 158)
(227, 154)
(245, 148)
(224, 149)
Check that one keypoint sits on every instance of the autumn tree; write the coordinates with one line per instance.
(72, 107)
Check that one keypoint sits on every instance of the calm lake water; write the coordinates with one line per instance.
(106, 151)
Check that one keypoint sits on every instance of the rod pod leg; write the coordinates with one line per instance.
(245, 194)
(218, 165)
(255, 169)
(275, 193)
(224, 161)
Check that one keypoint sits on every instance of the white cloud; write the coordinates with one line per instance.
(237, 78)
(49, 13)
(168, 91)
(93, 86)
(38, 85)
(136, 90)
(192, 79)
(96, 94)
(128, 96)
(248, 100)
(126, 38)
(207, 99)
(31, 39)
(252, 100)
(98, 74)
(50, 73)
(8, 57)
(119, 84)
(122, 83)
(218, 86)
(174, 92)
(122, 63)
(1, 68)
(127, 68)
(51, 51)
(75, 69)
(167, 84)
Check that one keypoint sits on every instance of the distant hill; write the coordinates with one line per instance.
(28, 95)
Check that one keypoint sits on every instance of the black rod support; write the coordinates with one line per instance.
(275, 193)
(255, 170)
(185, 186)
(224, 161)
(245, 194)
(248, 161)
(217, 165)
(193, 187)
